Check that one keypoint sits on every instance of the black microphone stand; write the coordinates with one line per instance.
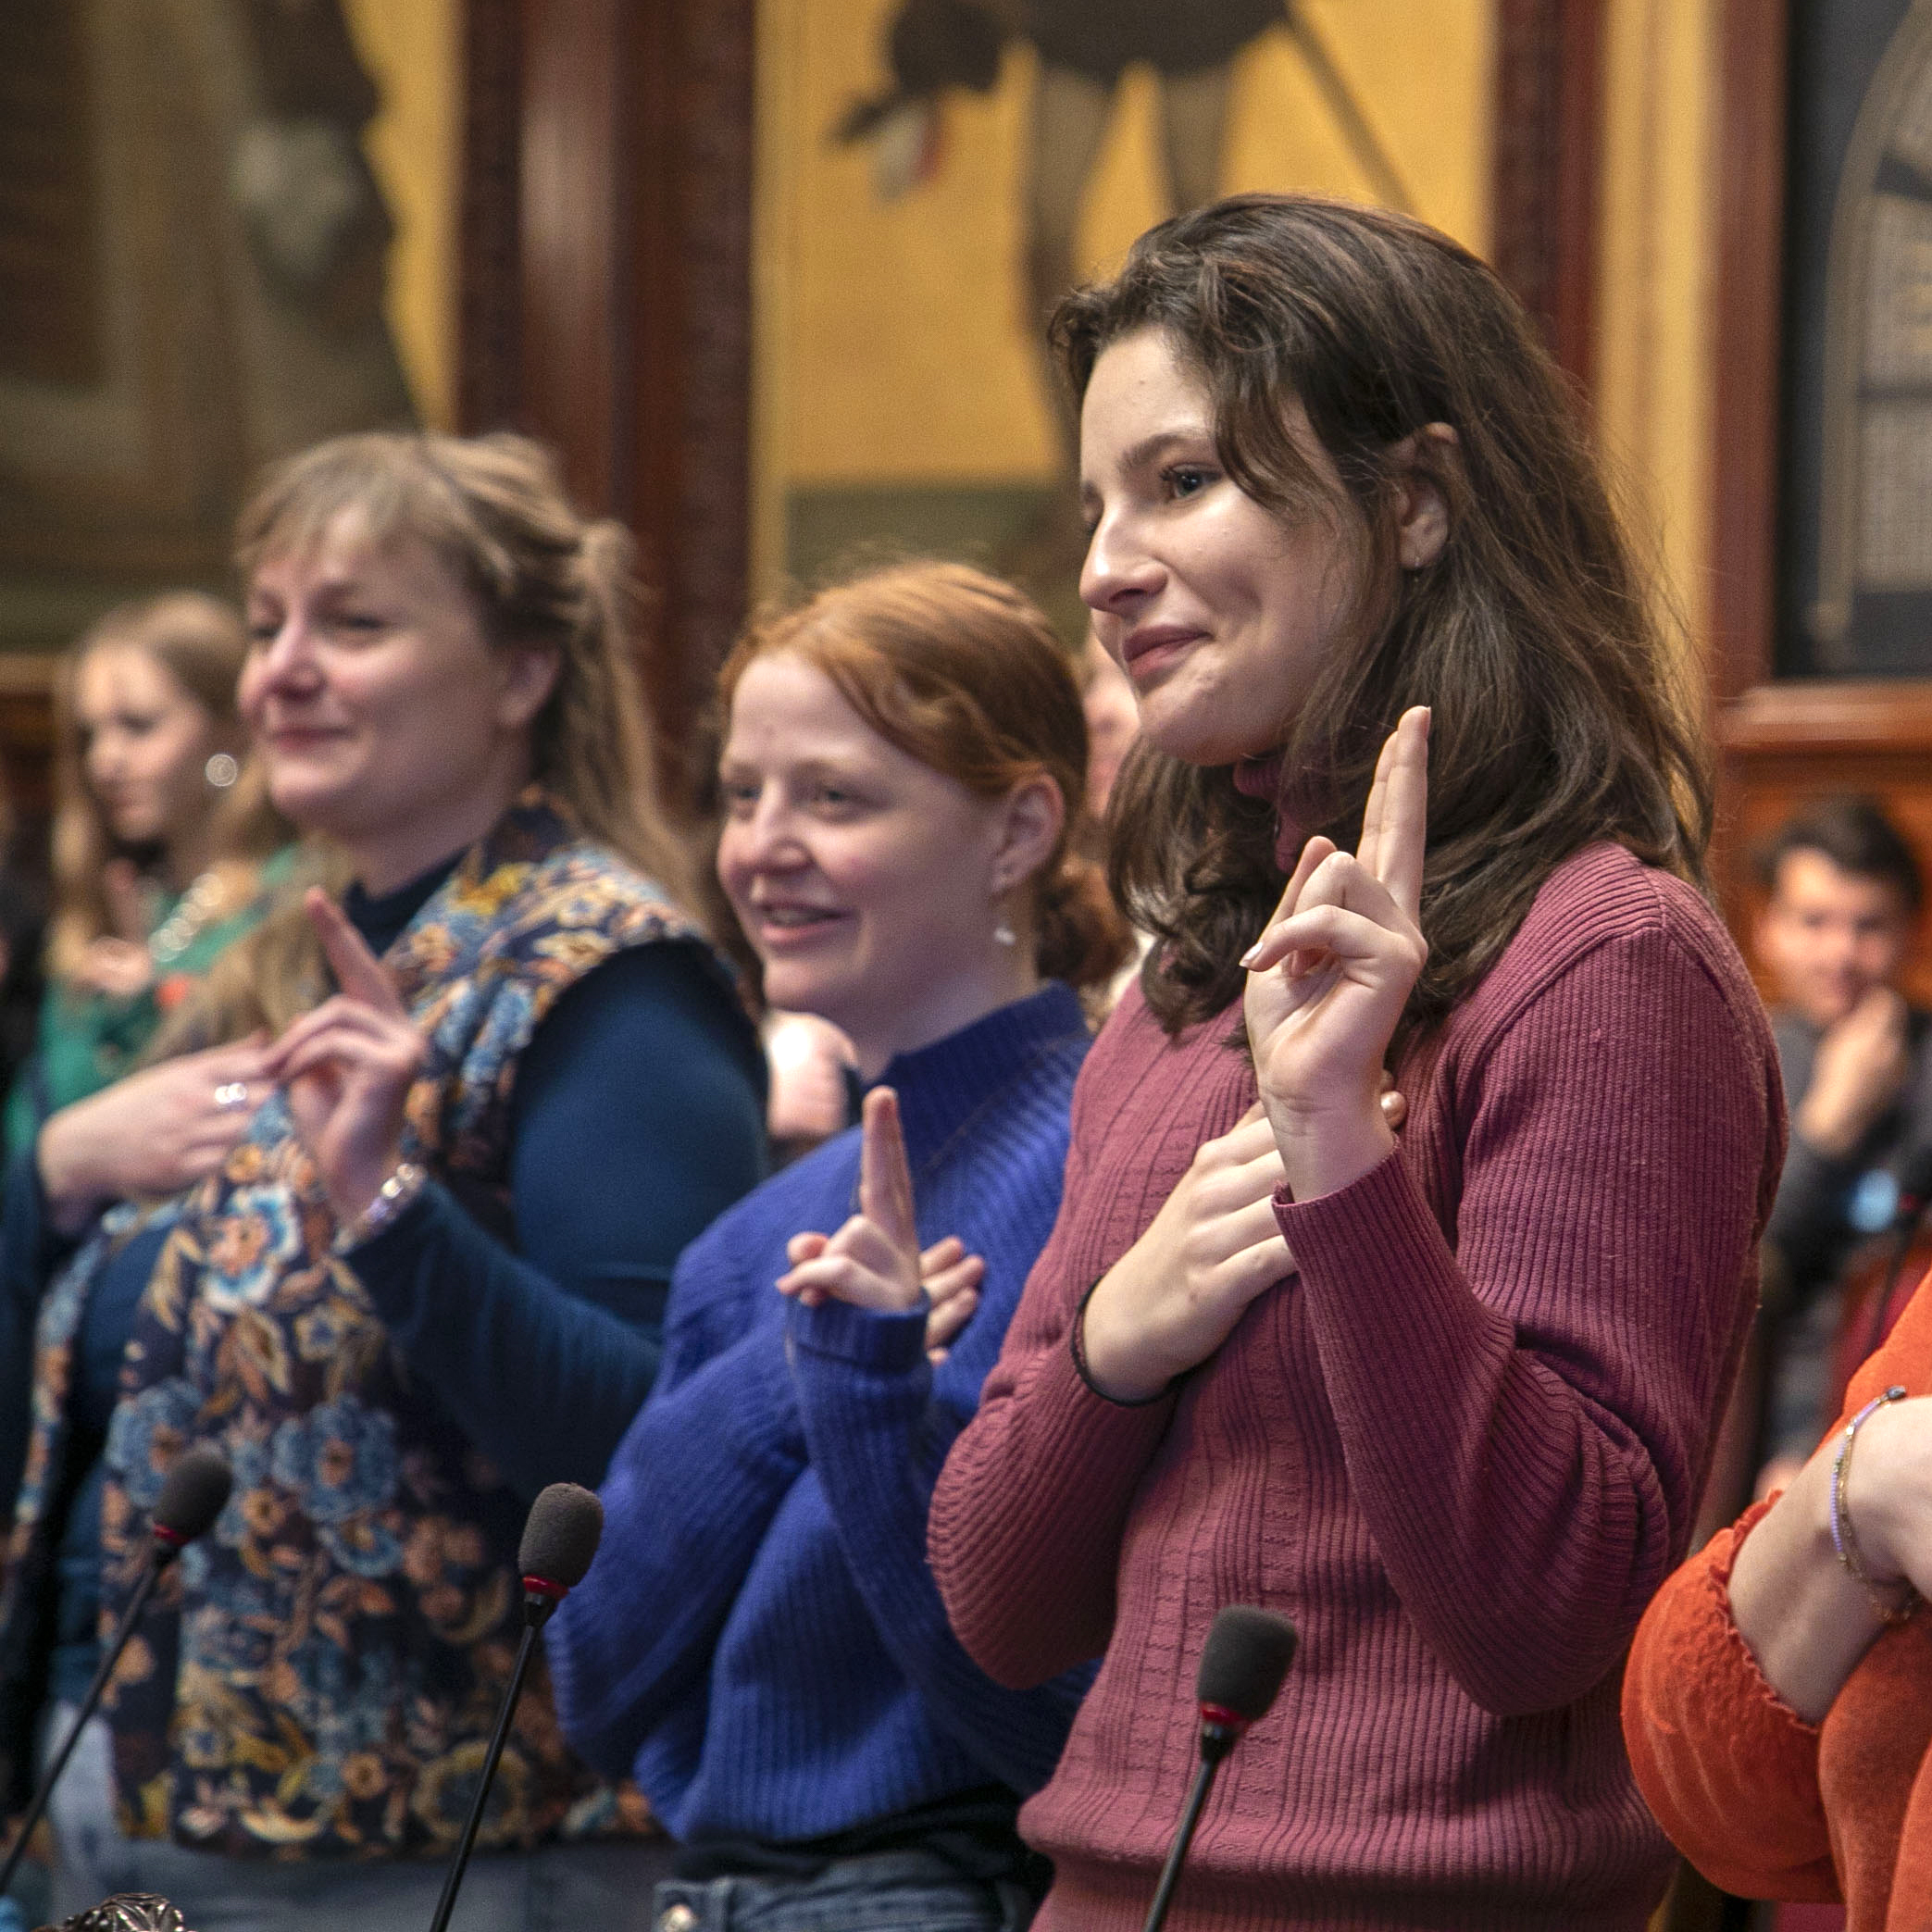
(540, 1599)
(1220, 1732)
(162, 1551)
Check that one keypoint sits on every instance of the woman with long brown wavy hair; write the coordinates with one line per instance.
(1446, 1397)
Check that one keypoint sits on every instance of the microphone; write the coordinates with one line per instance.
(1243, 1663)
(560, 1537)
(192, 1496)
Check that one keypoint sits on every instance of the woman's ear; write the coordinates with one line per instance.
(529, 675)
(1421, 499)
(1032, 816)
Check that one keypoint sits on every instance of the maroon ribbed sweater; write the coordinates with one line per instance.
(1461, 1449)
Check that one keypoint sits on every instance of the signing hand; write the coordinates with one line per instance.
(119, 964)
(873, 1261)
(156, 1132)
(1330, 977)
(1863, 1063)
(348, 1067)
(1169, 1302)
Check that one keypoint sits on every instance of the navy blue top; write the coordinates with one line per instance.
(646, 1070)
(760, 1641)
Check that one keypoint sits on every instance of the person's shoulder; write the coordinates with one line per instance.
(1605, 901)
(582, 883)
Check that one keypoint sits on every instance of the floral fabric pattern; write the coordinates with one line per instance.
(319, 1675)
(154, 1434)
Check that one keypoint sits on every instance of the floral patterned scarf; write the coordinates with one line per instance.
(319, 1676)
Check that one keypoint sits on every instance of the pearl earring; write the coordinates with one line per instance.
(1005, 935)
(221, 771)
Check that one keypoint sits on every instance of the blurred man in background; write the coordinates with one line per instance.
(1844, 893)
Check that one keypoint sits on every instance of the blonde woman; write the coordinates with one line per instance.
(165, 848)
(426, 1280)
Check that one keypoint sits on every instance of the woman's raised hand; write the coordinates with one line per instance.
(348, 1067)
(1330, 977)
(156, 1132)
(873, 1261)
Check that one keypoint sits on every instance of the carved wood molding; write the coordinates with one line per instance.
(606, 299)
(1547, 162)
(1747, 297)
(1827, 719)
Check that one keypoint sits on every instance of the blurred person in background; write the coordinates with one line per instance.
(1113, 722)
(165, 848)
(815, 1082)
(761, 1642)
(1843, 894)
(426, 1277)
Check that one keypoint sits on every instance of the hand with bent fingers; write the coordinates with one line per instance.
(348, 1067)
(949, 1275)
(118, 963)
(1328, 978)
(874, 1260)
(156, 1132)
(1170, 1300)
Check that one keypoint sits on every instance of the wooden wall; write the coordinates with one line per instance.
(1782, 743)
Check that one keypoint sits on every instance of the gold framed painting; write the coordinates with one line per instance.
(931, 174)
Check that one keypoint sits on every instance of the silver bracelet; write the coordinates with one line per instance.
(405, 1183)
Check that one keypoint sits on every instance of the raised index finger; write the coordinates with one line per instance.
(885, 1180)
(358, 970)
(1401, 831)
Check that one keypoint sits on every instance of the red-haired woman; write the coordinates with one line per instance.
(760, 1642)
(1448, 1401)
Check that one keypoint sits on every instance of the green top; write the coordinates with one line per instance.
(87, 1041)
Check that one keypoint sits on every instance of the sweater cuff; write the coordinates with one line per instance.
(1381, 1211)
(861, 1337)
(1743, 1666)
(1083, 1425)
(1730, 1770)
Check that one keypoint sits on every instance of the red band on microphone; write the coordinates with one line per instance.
(546, 1588)
(174, 1539)
(1221, 1715)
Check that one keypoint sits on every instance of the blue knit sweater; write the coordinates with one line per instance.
(760, 1642)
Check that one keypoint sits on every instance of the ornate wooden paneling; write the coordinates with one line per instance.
(1547, 169)
(1783, 742)
(607, 295)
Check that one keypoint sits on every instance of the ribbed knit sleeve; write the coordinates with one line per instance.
(878, 1432)
(689, 1497)
(1728, 1767)
(1527, 1418)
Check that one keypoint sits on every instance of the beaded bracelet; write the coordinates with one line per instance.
(1844, 1538)
(405, 1183)
(1076, 1347)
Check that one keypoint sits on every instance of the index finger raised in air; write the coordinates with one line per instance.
(885, 1180)
(358, 970)
(1395, 821)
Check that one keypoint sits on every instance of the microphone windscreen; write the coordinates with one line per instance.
(194, 1494)
(1247, 1654)
(561, 1535)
